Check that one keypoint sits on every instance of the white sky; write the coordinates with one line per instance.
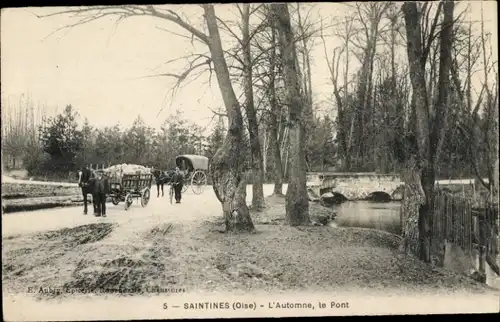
(96, 67)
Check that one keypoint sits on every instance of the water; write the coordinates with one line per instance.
(369, 214)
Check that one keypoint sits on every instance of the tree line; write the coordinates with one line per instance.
(416, 113)
(54, 146)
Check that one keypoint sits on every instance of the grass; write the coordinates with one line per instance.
(18, 197)
(26, 190)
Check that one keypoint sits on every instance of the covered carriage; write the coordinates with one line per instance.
(194, 168)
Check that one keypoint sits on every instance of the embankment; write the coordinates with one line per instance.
(17, 196)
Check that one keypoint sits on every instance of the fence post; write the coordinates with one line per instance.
(481, 227)
(401, 215)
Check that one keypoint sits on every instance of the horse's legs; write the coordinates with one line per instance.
(162, 189)
(157, 190)
(84, 193)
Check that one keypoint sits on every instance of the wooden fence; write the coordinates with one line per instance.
(459, 220)
(453, 223)
(485, 215)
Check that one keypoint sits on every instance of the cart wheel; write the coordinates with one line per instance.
(115, 200)
(146, 194)
(198, 181)
(128, 201)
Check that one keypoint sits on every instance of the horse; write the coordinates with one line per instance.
(96, 184)
(86, 182)
(161, 177)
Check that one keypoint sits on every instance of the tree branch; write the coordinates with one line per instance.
(94, 13)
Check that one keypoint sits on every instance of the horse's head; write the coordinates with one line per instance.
(155, 172)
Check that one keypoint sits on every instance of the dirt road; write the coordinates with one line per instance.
(159, 210)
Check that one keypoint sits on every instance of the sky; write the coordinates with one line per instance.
(99, 69)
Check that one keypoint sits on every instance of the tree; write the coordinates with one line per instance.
(297, 203)
(430, 121)
(137, 142)
(216, 138)
(481, 132)
(253, 126)
(269, 85)
(85, 155)
(345, 118)
(62, 140)
(304, 48)
(20, 131)
(227, 163)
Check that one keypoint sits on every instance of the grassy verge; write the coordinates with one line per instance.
(26, 190)
(18, 197)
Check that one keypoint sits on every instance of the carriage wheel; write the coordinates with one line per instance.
(128, 201)
(198, 181)
(146, 194)
(115, 200)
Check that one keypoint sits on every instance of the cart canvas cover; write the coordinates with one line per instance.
(193, 162)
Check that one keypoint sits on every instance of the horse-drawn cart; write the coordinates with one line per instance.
(128, 186)
(194, 167)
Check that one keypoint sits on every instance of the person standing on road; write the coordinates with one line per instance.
(178, 181)
(101, 189)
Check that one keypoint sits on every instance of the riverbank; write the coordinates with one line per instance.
(131, 252)
(21, 196)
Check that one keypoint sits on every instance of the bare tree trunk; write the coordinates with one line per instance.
(348, 131)
(494, 152)
(273, 115)
(430, 123)
(253, 127)
(297, 203)
(278, 167)
(240, 210)
(306, 75)
(373, 12)
(228, 162)
(441, 112)
(265, 149)
(306, 64)
(424, 159)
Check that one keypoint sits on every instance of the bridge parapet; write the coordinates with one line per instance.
(355, 185)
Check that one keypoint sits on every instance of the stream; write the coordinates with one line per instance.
(369, 214)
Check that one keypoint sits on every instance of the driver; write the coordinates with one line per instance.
(178, 182)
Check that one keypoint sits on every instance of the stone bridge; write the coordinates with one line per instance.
(354, 186)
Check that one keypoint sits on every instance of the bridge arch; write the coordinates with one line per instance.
(379, 196)
(333, 198)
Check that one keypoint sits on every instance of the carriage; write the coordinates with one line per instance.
(128, 186)
(194, 167)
